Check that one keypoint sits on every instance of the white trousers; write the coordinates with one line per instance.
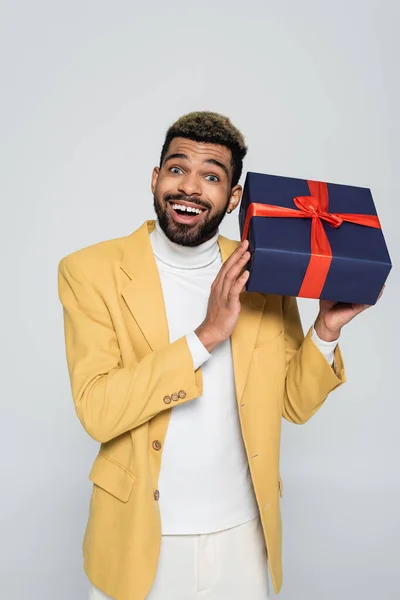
(227, 565)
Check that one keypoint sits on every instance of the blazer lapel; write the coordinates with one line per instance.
(143, 292)
(244, 336)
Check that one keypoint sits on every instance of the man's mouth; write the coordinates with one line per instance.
(186, 212)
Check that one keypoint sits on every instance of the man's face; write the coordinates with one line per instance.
(192, 190)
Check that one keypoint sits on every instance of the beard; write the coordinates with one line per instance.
(187, 235)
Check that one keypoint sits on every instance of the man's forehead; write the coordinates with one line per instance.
(200, 150)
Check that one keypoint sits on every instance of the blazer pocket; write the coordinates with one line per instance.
(112, 477)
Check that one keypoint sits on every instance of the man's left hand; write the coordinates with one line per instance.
(334, 315)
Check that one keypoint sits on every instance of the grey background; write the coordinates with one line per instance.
(87, 91)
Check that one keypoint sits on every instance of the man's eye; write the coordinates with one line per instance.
(212, 178)
(176, 170)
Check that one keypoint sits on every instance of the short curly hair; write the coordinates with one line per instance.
(210, 128)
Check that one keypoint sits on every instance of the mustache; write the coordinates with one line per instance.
(183, 197)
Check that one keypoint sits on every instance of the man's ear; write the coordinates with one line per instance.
(236, 194)
(154, 178)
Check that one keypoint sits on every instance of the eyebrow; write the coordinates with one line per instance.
(176, 155)
(210, 161)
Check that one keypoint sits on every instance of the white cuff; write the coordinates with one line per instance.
(200, 354)
(326, 348)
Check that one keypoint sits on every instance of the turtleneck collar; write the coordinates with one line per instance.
(183, 257)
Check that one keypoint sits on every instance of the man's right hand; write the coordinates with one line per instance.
(223, 304)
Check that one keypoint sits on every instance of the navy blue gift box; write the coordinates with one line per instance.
(301, 243)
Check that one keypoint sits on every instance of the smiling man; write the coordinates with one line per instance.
(184, 377)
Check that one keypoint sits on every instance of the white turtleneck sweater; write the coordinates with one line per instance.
(204, 483)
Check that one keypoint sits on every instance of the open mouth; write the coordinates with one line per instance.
(188, 214)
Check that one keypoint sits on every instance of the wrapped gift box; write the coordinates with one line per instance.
(313, 239)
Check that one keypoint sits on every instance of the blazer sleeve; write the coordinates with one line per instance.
(110, 398)
(309, 376)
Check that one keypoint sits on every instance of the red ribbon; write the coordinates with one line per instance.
(313, 207)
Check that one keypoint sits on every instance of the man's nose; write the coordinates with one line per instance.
(190, 185)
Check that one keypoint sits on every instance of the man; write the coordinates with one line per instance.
(169, 358)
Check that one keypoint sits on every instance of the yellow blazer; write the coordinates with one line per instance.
(126, 377)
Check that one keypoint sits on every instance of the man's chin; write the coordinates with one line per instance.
(183, 234)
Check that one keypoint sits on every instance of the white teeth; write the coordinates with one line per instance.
(197, 211)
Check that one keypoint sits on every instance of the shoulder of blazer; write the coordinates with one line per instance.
(96, 257)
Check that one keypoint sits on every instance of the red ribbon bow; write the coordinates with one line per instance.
(313, 207)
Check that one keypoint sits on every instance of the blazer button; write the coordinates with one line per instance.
(156, 495)
(167, 399)
(175, 397)
(182, 394)
(156, 445)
